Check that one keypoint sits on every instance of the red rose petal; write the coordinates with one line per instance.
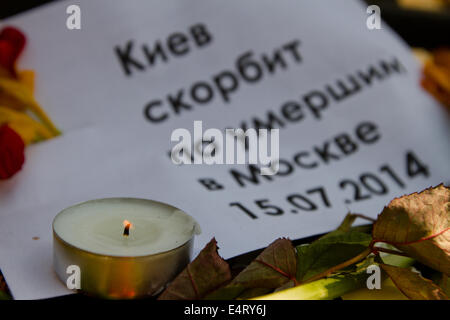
(11, 152)
(6, 55)
(12, 42)
(15, 37)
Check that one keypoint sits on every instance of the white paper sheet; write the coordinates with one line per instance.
(109, 148)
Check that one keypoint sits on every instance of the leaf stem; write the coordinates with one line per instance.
(342, 265)
(385, 250)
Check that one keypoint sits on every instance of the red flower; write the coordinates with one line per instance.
(11, 152)
(12, 42)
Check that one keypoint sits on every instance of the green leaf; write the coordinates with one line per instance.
(419, 225)
(327, 288)
(347, 223)
(345, 226)
(413, 285)
(329, 251)
(273, 268)
(202, 276)
(393, 259)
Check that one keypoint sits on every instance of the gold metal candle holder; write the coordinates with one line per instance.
(120, 277)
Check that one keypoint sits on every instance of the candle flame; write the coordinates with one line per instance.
(128, 224)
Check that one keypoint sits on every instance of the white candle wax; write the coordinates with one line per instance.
(98, 226)
(120, 262)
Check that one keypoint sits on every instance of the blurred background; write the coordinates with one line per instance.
(421, 23)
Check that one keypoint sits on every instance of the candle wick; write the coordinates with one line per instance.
(126, 230)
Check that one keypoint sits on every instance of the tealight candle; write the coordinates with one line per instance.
(124, 247)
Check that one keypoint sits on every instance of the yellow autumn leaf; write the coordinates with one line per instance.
(29, 129)
(26, 77)
(17, 95)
